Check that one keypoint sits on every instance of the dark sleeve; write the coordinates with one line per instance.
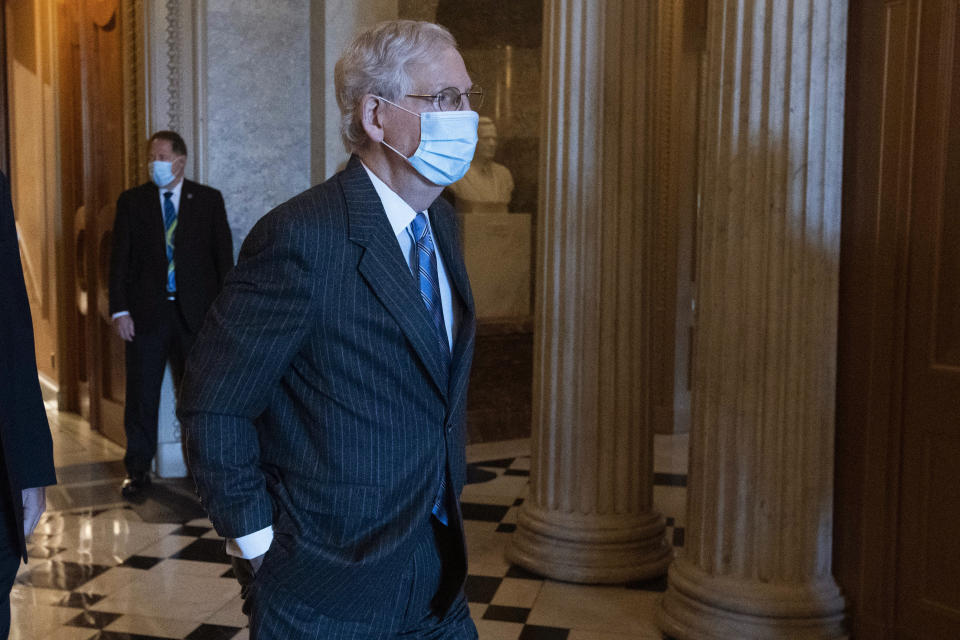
(120, 256)
(222, 240)
(251, 333)
(27, 445)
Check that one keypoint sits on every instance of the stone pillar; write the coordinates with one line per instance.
(589, 517)
(757, 560)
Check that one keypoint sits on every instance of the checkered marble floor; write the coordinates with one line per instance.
(104, 569)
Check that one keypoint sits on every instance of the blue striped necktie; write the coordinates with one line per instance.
(169, 227)
(426, 270)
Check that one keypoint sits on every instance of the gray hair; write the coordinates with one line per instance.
(377, 62)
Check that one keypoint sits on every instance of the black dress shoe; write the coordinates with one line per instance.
(134, 485)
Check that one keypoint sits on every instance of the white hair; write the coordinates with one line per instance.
(377, 62)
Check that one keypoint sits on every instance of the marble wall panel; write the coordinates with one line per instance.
(257, 105)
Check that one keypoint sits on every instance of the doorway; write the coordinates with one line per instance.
(898, 404)
(75, 102)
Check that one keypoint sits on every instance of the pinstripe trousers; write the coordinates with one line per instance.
(275, 614)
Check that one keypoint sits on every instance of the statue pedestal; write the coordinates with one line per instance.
(496, 249)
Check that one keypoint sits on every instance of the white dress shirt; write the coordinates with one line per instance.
(400, 215)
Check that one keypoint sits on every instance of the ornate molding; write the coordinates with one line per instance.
(134, 82)
(174, 43)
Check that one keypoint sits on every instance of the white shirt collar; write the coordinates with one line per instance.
(177, 189)
(399, 213)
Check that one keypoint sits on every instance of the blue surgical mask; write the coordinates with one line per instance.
(447, 142)
(161, 172)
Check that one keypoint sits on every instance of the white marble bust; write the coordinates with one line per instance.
(488, 185)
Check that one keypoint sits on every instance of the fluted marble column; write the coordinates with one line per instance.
(589, 517)
(757, 560)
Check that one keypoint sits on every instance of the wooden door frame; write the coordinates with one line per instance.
(4, 98)
(877, 182)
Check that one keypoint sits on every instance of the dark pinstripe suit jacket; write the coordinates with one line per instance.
(316, 397)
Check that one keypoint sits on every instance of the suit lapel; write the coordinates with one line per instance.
(185, 210)
(153, 219)
(448, 243)
(385, 270)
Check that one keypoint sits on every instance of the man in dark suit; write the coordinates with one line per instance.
(172, 249)
(26, 463)
(324, 401)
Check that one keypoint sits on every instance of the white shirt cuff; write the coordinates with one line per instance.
(251, 545)
(118, 314)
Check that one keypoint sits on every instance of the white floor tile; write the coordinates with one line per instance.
(30, 622)
(496, 630)
(167, 546)
(595, 608)
(516, 592)
(230, 615)
(149, 626)
(70, 633)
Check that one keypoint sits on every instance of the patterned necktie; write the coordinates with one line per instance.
(169, 227)
(426, 269)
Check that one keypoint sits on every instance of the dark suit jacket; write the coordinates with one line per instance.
(316, 398)
(24, 432)
(203, 253)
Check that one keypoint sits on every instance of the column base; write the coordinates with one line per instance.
(593, 549)
(698, 606)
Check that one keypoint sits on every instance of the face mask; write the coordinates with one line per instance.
(161, 172)
(447, 142)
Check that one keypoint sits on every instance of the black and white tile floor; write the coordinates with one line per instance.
(104, 569)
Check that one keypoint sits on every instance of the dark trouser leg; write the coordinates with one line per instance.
(146, 360)
(181, 342)
(431, 584)
(9, 554)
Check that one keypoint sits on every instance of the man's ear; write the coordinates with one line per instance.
(371, 113)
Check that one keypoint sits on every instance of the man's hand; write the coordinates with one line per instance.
(124, 327)
(245, 569)
(34, 504)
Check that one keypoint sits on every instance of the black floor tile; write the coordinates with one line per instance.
(117, 635)
(532, 632)
(520, 572)
(476, 475)
(678, 537)
(506, 614)
(658, 584)
(670, 479)
(481, 589)
(484, 512)
(170, 500)
(212, 632)
(506, 527)
(93, 619)
(187, 530)
(204, 550)
(96, 512)
(58, 574)
(502, 463)
(77, 600)
(517, 472)
(140, 562)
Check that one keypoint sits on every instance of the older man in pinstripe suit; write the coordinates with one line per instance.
(324, 401)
